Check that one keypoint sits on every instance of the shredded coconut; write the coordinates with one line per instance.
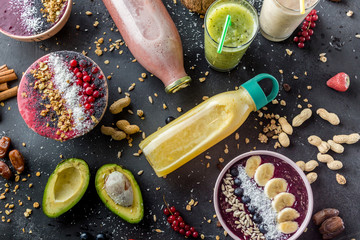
(262, 203)
(28, 14)
(64, 81)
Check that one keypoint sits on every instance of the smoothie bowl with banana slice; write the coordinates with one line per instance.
(263, 195)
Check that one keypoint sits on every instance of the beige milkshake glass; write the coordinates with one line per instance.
(279, 18)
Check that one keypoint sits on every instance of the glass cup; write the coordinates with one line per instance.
(279, 18)
(243, 29)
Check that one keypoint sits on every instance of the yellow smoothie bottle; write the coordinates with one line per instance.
(205, 125)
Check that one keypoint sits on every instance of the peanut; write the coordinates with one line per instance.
(285, 126)
(332, 118)
(312, 177)
(119, 105)
(322, 146)
(126, 127)
(115, 134)
(336, 147)
(310, 165)
(17, 160)
(324, 158)
(301, 165)
(348, 139)
(284, 139)
(335, 165)
(302, 117)
(5, 170)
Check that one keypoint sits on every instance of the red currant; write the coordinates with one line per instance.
(176, 228)
(182, 225)
(79, 82)
(78, 75)
(302, 39)
(311, 32)
(172, 209)
(91, 99)
(314, 18)
(76, 70)
(166, 211)
(89, 91)
(180, 219)
(301, 45)
(96, 94)
(95, 70)
(170, 219)
(188, 233)
(175, 223)
(84, 73)
(192, 229)
(176, 214)
(73, 63)
(312, 25)
(195, 234)
(313, 12)
(101, 77)
(308, 38)
(82, 63)
(86, 78)
(86, 85)
(296, 39)
(182, 231)
(305, 33)
(187, 228)
(87, 106)
(308, 18)
(303, 29)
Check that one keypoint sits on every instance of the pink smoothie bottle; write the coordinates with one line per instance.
(152, 38)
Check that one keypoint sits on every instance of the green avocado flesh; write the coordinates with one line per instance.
(65, 186)
(132, 214)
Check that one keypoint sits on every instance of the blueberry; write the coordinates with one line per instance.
(257, 218)
(239, 192)
(252, 209)
(100, 236)
(237, 182)
(84, 236)
(263, 228)
(169, 119)
(234, 172)
(245, 199)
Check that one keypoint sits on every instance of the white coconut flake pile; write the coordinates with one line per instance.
(28, 13)
(262, 203)
(70, 92)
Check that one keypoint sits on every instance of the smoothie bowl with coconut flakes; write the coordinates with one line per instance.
(263, 195)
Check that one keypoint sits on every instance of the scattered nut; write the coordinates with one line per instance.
(284, 139)
(125, 126)
(335, 165)
(348, 139)
(332, 118)
(322, 146)
(324, 158)
(301, 165)
(312, 177)
(285, 126)
(119, 105)
(336, 147)
(115, 134)
(310, 165)
(302, 117)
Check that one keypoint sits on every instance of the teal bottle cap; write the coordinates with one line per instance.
(257, 94)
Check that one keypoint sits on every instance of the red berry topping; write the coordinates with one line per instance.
(79, 75)
(85, 73)
(96, 94)
(172, 209)
(182, 231)
(176, 214)
(166, 211)
(86, 78)
(101, 77)
(73, 63)
(188, 233)
(296, 39)
(82, 63)
(91, 99)
(87, 106)
(89, 91)
(79, 82)
(301, 45)
(313, 12)
(314, 18)
(86, 85)
(76, 70)
(95, 70)
(195, 234)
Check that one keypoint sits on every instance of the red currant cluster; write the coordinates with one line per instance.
(84, 80)
(178, 224)
(306, 29)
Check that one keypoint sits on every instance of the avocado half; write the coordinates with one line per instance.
(132, 214)
(65, 186)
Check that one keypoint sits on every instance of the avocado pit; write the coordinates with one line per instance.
(119, 189)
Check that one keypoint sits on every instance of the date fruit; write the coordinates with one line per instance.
(4, 146)
(17, 160)
(324, 214)
(332, 227)
(5, 170)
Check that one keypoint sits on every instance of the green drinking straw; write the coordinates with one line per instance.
(222, 39)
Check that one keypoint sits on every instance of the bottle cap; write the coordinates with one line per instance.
(256, 92)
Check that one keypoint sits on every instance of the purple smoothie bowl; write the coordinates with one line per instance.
(301, 183)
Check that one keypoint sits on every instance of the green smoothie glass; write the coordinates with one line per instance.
(242, 31)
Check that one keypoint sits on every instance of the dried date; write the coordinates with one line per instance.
(17, 160)
(332, 227)
(5, 170)
(324, 214)
(4, 146)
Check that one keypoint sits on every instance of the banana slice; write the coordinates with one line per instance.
(288, 227)
(251, 165)
(287, 214)
(274, 187)
(264, 173)
(283, 200)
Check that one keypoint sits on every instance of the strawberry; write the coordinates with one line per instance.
(340, 82)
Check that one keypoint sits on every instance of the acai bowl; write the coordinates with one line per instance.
(263, 195)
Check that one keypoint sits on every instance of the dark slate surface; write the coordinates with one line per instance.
(194, 180)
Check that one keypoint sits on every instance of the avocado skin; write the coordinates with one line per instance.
(133, 214)
(47, 209)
